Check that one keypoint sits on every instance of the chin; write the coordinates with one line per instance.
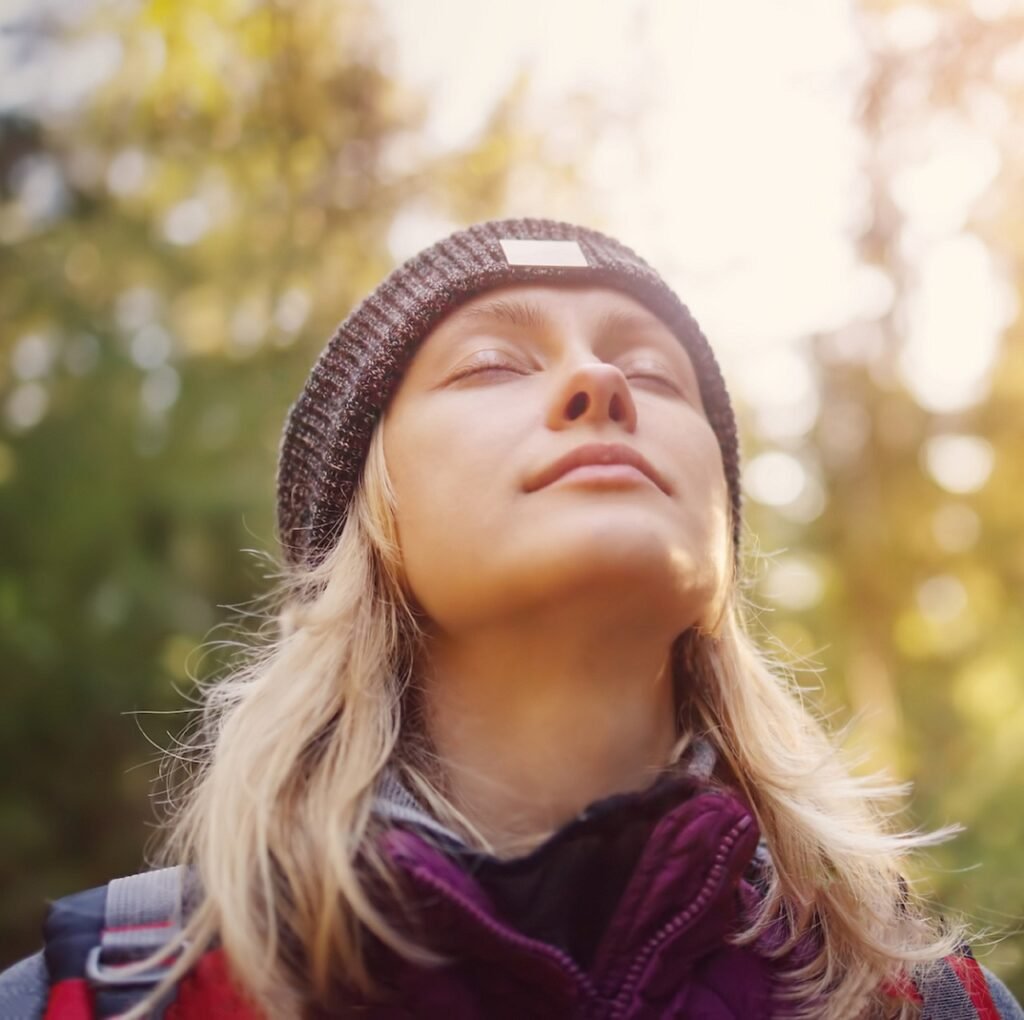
(642, 590)
(635, 542)
(614, 566)
(624, 563)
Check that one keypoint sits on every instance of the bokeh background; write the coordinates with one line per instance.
(194, 192)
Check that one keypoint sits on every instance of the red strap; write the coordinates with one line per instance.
(903, 988)
(161, 925)
(69, 1000)
(971, 977)
(208, 991)
(967, 972)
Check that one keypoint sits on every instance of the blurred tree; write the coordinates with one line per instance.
(178, 237)
(909, 588)
(193, 196)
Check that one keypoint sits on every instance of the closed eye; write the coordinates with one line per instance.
(651, 373)
(487, 363)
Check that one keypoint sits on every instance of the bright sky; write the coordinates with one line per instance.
(727, 154)
(738, 177)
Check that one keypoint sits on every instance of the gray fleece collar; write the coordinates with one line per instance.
(393, 800)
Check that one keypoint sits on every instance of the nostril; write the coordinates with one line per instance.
(577, 406)
(616, 409)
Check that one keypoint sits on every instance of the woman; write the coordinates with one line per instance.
(511, 753)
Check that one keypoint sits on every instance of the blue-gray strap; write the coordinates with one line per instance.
(944, 995)
(143, 913)
(1009, 1008)
(24, 988)
(946, 998)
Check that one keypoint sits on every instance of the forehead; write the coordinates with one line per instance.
(535, 305)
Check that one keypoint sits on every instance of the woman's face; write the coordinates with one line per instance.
(550, 442)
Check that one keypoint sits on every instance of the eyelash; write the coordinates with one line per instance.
(663, 378)
(481, 367)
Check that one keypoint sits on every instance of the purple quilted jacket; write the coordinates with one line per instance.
(624, 913)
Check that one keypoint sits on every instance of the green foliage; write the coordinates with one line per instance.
(919, 627)
(176, 245)
(207, 215)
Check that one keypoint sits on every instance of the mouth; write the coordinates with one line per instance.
(598, 455)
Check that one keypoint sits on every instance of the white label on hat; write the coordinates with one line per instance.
(542, 252)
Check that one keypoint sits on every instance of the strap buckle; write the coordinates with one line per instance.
(113, 974)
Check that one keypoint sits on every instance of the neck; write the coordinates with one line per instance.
(535, 719)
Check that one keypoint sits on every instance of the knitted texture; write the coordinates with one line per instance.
(328, 430)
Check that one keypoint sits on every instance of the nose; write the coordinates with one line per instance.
(593, 393)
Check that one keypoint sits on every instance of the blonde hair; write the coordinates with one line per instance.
(276, 817)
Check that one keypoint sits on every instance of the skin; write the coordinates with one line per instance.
(552, 603)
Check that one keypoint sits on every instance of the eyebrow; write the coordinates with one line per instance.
(510, 311)
(525, 315)
(616, 320)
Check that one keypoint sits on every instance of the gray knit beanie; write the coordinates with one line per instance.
(327, 434)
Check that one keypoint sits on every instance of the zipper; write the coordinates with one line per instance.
(539, 950)
(593, 1002)
(636, 969)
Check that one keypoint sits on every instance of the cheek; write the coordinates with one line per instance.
(714, 559)
(705, 515)
(414, 486)
(418, 479)
(447, 504)
(717, 517)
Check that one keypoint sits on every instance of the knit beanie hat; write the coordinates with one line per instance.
(328, 430)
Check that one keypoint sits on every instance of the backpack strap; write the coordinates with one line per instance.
(142, 914)
(956, 989)
(968, 975)
(72, 927)
(92, 936)
(23, 989)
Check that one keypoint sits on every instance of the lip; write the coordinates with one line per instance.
(599, 454)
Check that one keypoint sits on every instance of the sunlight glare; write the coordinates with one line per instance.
(957, 314)
(959, 463)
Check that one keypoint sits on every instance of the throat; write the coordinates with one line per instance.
(529, 738)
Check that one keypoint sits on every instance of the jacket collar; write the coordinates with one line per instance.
(602, 885)
(395, 803)
(635, 892)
